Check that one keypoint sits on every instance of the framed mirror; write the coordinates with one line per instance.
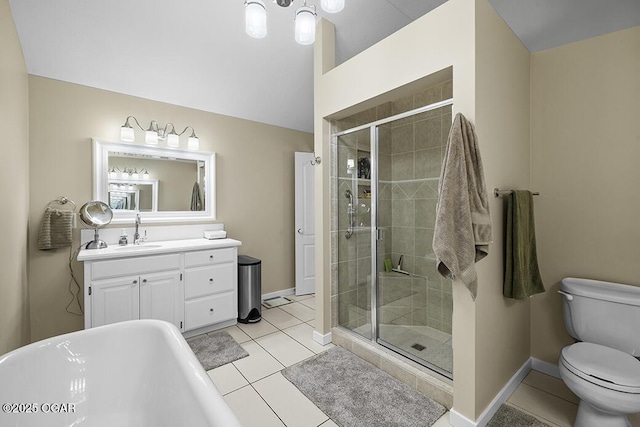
(162, 184)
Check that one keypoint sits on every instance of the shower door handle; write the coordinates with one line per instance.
(379, 234)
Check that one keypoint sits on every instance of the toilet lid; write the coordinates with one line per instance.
(604, 363)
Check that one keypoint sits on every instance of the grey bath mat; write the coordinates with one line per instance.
(216, 349)
(355, 393)
(508, 416)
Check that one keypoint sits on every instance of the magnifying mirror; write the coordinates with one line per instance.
(96, 214)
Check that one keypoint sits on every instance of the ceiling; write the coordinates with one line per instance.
(195, 53)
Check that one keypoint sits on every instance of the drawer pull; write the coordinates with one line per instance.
(210, 257)
(211, 280)
(144, 280)
(135, 282)
(211, 310)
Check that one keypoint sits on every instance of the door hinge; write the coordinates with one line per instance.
(89, 290)
(180, 325)
(181, 277)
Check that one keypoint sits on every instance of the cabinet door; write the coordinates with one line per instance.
(115, 300)
(162, 297)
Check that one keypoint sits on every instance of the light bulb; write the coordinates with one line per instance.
(145, 175)
(193, 143)
(135, 174)
(332, 6)
(127, 134)
(113, 174)
(151, 137)
(305, 25)
(255, 18)
(173, 140)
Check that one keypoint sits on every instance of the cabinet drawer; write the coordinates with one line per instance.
(212, 256)
(201, 281)
(136, 265)
(210, 310)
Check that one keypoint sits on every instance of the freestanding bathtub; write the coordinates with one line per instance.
(140, 373)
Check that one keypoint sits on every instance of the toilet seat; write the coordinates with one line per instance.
(603, 366)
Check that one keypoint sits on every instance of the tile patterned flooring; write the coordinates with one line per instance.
(259, 395)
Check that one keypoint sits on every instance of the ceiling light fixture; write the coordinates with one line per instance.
(305, 18)
(156, 133)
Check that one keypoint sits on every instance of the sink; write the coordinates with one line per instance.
(136, 247)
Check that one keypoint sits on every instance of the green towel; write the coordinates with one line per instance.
(521, 275)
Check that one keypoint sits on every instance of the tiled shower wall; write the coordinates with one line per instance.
(411, 152)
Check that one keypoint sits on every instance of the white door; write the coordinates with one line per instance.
(115, 300)
(305, 224)
(161, 297)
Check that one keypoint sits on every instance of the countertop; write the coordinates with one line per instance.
(153, 248)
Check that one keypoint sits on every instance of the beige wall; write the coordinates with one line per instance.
(491, 88)
(14, 187)
(255, 182)
(585, 145)
(502, 125)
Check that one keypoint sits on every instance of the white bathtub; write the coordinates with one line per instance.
(139, 373)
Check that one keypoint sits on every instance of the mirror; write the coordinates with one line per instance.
(96, 214)
(162, 184)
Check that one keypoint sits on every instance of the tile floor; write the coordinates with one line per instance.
(259, 395)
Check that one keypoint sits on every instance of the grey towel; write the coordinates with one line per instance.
(196, 199)
(521, 275)
(55, 229)
(463, 226)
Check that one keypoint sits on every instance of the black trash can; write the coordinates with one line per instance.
(249, 289)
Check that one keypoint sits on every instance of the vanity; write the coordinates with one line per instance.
(174, 274)
(191, 283)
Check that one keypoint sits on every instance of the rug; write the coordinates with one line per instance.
(353, 392)
(508, 416)
(216, 349)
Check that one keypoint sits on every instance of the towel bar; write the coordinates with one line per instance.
(497, 192)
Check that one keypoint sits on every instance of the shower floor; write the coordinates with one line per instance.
(423, 342)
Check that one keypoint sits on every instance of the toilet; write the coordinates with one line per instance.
(602, 368)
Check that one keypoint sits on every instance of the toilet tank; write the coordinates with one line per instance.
(602, 313)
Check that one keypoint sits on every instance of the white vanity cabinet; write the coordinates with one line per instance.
(147, 287)
(192, 284)
(210, 287)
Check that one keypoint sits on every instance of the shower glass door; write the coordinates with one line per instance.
(414, 303)
(353, 236)
(386, 188)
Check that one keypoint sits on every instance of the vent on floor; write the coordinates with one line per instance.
(418, 347)
(276, 302)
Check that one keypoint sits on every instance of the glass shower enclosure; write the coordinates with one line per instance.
(389, 291)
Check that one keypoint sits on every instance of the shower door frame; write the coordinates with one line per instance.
(377, 233)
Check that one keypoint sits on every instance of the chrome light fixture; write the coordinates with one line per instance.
(255, 16)
(305, 18)
(156, 133)
(305, 29)
(332, 6)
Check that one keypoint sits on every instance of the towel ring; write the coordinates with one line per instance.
(62, 200)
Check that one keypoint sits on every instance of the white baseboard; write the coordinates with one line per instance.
(459, 420)
(283, 293)
(545, 367)
(321, 339)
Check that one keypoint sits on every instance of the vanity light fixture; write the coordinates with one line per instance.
(113, 172)
(305, 18)
(145, 174)
(155, 133)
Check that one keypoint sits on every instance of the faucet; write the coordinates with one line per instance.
(136, 235)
